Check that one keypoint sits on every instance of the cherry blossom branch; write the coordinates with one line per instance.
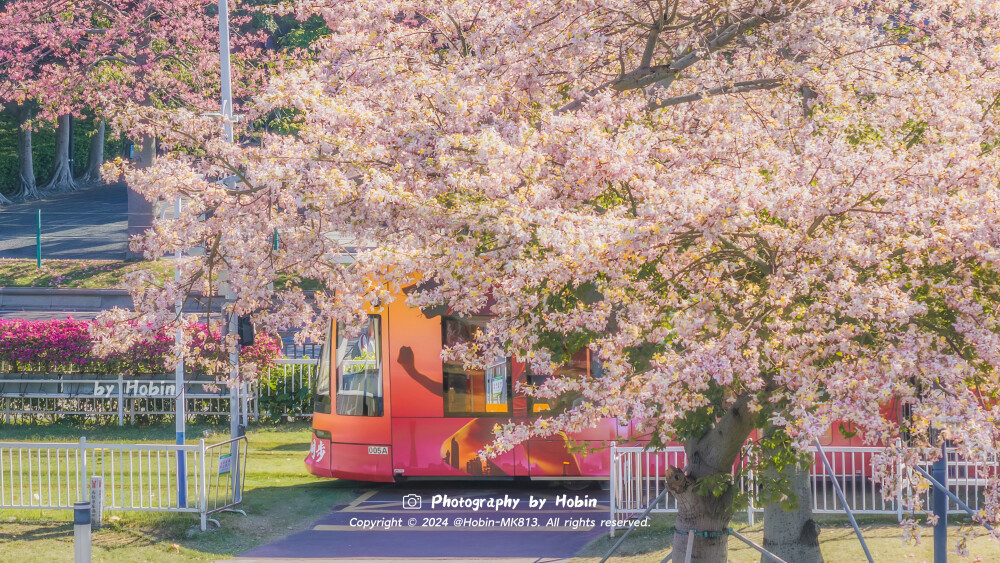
(662, 76)
(654, 33)
(739, 87)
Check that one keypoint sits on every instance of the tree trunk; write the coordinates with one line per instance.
(62, 170)
(25, 187)
(706, 516)
(140, 211)
(793, 535)
(95, 156)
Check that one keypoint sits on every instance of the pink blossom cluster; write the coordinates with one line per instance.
(66, 346)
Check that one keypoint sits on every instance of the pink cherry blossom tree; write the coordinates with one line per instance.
(759, 215)
(64, 57)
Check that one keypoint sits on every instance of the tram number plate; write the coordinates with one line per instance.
(378, 450)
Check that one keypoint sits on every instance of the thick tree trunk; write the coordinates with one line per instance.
(793, 535)
(140, 211)
(25, 187)
(95, 156)
(704, 516)
(62, 170)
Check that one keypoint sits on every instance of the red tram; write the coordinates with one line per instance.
(387, 408)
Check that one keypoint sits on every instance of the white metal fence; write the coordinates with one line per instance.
(286, 390)
(191, 478)
(121, 398)
(637, 479)
(283, 391)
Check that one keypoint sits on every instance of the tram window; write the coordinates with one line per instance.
(473, 392)
(359, 370)
(321, 403)
(576, 367)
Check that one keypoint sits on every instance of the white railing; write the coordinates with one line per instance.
(123, 398)
(135, 477)
(638, 478)
(290, 379)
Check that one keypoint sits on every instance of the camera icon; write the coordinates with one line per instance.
(412, 502)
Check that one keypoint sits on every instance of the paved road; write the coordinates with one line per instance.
(521, 533)
(90, 223)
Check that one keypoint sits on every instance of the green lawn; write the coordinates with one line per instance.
(280, 498)
(97, 274)
(90, 274)
(838, 542)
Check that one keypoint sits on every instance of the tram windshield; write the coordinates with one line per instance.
(359, 370)
(322, 394)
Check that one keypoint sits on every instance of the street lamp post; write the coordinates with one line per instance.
(180, 402)
(227, 124)
(226, 73)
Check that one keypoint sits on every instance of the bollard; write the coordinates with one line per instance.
(940, 504)
(38, 240)
(81, 532)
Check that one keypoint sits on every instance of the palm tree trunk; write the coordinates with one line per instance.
(25, 186)
(62, 171)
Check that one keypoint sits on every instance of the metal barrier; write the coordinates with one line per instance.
(135, 477)
(285, 388)
(223, 493)
(637, 479)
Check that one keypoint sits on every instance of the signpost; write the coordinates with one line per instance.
(181, 400)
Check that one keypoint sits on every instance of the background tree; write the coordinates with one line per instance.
(25, 186)
(70, 57)
(756, 214)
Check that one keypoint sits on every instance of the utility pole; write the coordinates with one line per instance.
(227, 124)
(180, 402)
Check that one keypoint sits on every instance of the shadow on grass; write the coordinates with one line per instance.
(70, 431)
(642, 541)
(303, 447)
(21, 531)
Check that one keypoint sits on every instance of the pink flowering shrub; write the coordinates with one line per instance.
(66, 346)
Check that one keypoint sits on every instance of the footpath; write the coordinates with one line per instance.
(410, 523)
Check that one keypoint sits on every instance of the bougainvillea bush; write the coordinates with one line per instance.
(66, 346)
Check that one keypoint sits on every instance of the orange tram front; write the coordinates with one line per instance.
(387, 408)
